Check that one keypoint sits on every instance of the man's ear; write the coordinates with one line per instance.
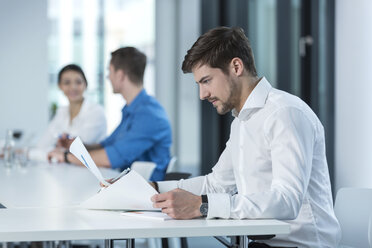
(237, 66)
(121, 74)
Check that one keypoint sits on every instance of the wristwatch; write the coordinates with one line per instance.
(204, 206)
(65, 157)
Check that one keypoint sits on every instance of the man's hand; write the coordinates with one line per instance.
(178, 204)
(57, 154)
(110, 181)
(64, 141)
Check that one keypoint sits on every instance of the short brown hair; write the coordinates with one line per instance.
(217, 47)
(131, 61)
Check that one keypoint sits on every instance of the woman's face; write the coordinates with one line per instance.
(73, 85)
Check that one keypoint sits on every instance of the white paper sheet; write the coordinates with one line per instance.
(80, 152)
(131, 192)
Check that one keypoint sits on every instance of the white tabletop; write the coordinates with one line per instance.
(39, 202)
(46, 185)
(37, 224)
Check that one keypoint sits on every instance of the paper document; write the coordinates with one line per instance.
(80, 152)
(148, 215)
(131, 192)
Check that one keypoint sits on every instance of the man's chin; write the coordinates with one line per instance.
(222, 111)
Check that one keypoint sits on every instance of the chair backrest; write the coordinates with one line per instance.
(353, 207)
(143, 168)
(171, 165)
(176, 176)
(370, 231)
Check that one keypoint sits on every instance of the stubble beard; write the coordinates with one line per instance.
(233, 98)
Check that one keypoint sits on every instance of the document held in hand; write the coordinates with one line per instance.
(78, 149)
(130, 192)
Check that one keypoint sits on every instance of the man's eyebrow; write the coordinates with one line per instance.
(202, 79)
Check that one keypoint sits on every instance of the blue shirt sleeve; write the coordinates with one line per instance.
(145, 130)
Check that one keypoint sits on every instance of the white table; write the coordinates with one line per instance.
(46, 185)
(40, 200)
(37, 224)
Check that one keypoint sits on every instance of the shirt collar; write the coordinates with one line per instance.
(83, 108)
(137, 101)
(256, 99)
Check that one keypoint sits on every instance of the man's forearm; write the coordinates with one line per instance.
(93, 147)
(99, 157)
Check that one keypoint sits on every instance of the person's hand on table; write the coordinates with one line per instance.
(64, 141)
(178, 204)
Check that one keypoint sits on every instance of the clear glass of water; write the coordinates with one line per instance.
(21, 156)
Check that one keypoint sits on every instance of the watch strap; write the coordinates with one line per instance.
(204, 198)
(66, 157)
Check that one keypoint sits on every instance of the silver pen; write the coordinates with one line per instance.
(124, 172)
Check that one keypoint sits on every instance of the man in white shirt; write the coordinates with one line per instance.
(274, 164)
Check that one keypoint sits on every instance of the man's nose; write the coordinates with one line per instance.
(203, 93)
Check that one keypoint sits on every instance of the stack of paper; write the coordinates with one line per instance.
(130, 192)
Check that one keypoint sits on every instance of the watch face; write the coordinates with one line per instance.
(204, 209)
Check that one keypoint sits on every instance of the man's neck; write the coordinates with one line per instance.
(131, 93)
(248, 86)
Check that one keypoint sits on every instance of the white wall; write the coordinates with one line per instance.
(353, 93)
(23, 65)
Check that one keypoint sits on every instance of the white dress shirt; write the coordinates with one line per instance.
(89, 125)
(274, 166)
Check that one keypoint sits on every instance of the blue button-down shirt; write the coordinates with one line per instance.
(144, 134)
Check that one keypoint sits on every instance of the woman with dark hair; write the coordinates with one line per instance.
(79, 118)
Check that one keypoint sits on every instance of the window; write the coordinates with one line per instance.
(85, 32)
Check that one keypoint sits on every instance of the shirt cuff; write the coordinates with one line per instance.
(165, 186)
(218, 205)
(38, 154)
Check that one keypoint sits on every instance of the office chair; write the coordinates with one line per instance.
(143, 168)
(353, 208)
(172, 164)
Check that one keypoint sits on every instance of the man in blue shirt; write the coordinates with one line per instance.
(144, 133)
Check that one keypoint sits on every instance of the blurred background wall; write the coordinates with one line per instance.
(353, 93)
(23, 65)
(318, 50)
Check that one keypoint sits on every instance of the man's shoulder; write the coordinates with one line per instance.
(150, 105)
(279, 99)
(281, 102)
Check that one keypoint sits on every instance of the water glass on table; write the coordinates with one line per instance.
(21, 157)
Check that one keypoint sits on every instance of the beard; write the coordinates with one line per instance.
(233, 98)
